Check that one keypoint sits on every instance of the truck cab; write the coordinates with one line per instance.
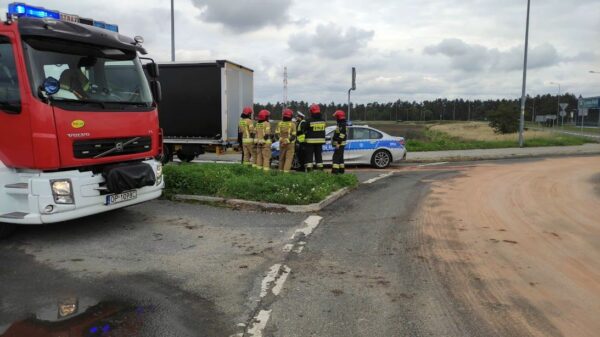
(79, 129)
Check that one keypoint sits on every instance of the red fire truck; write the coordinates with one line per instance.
(79, 132)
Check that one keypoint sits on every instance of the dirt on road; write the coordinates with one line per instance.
(519, 245)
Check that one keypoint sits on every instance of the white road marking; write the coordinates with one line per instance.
(271, 275)
(285, 272)
(288, 248)
(298, 249)
(259, 323)
(309, 225)
(379, 177)
(434, 164)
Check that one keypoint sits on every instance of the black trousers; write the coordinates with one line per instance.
(338, 156)
(314, 151)
(301, 154)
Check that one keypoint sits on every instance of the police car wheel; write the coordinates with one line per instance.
(381, 159)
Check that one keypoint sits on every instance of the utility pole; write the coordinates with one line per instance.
(469, 112)
(522, 119)
(285, 88)
(172, 31)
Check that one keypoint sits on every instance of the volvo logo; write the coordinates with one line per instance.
(119, 147)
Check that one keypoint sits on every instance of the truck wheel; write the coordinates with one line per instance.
(167, 154)
(185, 157)
(6, 229)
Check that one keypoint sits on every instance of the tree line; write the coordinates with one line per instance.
(438, 109)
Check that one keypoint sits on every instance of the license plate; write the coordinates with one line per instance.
(121, 197)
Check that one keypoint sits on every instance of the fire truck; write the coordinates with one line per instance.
(79, 131)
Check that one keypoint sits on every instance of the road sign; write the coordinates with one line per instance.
(582, 112)
(563, 113)
(563, 106)
(589, 103)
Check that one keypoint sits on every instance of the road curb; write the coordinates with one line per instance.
(266, 206)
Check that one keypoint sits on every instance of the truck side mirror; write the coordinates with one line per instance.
(152, 69)
(156, 91)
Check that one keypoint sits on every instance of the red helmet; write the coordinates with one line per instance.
(339, 114)
(247, 111)
(287, 113)
(315, 109)
(263, 115)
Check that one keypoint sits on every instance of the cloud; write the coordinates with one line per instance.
(474, 57)
(331, 41)
(244, 15)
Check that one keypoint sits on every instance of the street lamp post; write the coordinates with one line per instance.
(172, 31)
(522, 119)
(558, 102)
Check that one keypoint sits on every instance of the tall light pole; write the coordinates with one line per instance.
(522, 120)
(557, 101)
(353, 87)
(172, 31)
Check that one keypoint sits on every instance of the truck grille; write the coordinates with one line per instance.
(83, 149)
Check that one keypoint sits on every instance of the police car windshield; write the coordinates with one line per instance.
(88, 73)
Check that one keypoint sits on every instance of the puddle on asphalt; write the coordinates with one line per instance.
(80, 317)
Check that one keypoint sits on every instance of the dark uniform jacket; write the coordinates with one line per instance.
(340, 133)
(314, 129)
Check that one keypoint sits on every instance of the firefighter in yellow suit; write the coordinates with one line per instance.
(286, 131)
(262, 139)
(246, 137)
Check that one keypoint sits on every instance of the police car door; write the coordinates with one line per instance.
(360, 148)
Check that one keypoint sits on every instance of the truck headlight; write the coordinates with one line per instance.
(62, 190)
(159, 173)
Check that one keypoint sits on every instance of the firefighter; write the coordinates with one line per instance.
(286, 131)
(262, 138)
(246, 137)
(339, 142)
(314, 129)
(301, 139)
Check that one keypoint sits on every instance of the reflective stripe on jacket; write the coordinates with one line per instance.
(339, 135)
(286, 132)
(263, 130)
(300, 131)
(315, 130)
(247, 129)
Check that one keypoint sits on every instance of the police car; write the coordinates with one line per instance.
(365, 145)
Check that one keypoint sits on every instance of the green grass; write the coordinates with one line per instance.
(440, 141)
(242, 182)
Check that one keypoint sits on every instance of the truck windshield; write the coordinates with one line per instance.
(88, 74)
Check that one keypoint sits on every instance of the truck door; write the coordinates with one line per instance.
(15, 129)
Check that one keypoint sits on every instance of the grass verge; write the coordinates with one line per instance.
(441, 141)
(241, 182)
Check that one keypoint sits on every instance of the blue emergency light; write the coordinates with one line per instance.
(21, 9)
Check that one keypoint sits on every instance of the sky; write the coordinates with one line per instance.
(408, 50)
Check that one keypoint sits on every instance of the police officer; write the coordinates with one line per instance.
(246, 137)
(262, 139)
(339, 142)
(314, 129)
(286, 131)
(301, 139)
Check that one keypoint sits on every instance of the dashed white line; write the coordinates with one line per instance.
(266, 282)
(285, 272)
(259, 323)
(309, 225)
(379, 177)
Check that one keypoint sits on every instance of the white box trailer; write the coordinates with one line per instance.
(201, 105)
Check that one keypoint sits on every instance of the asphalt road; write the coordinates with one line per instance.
(436, 250)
